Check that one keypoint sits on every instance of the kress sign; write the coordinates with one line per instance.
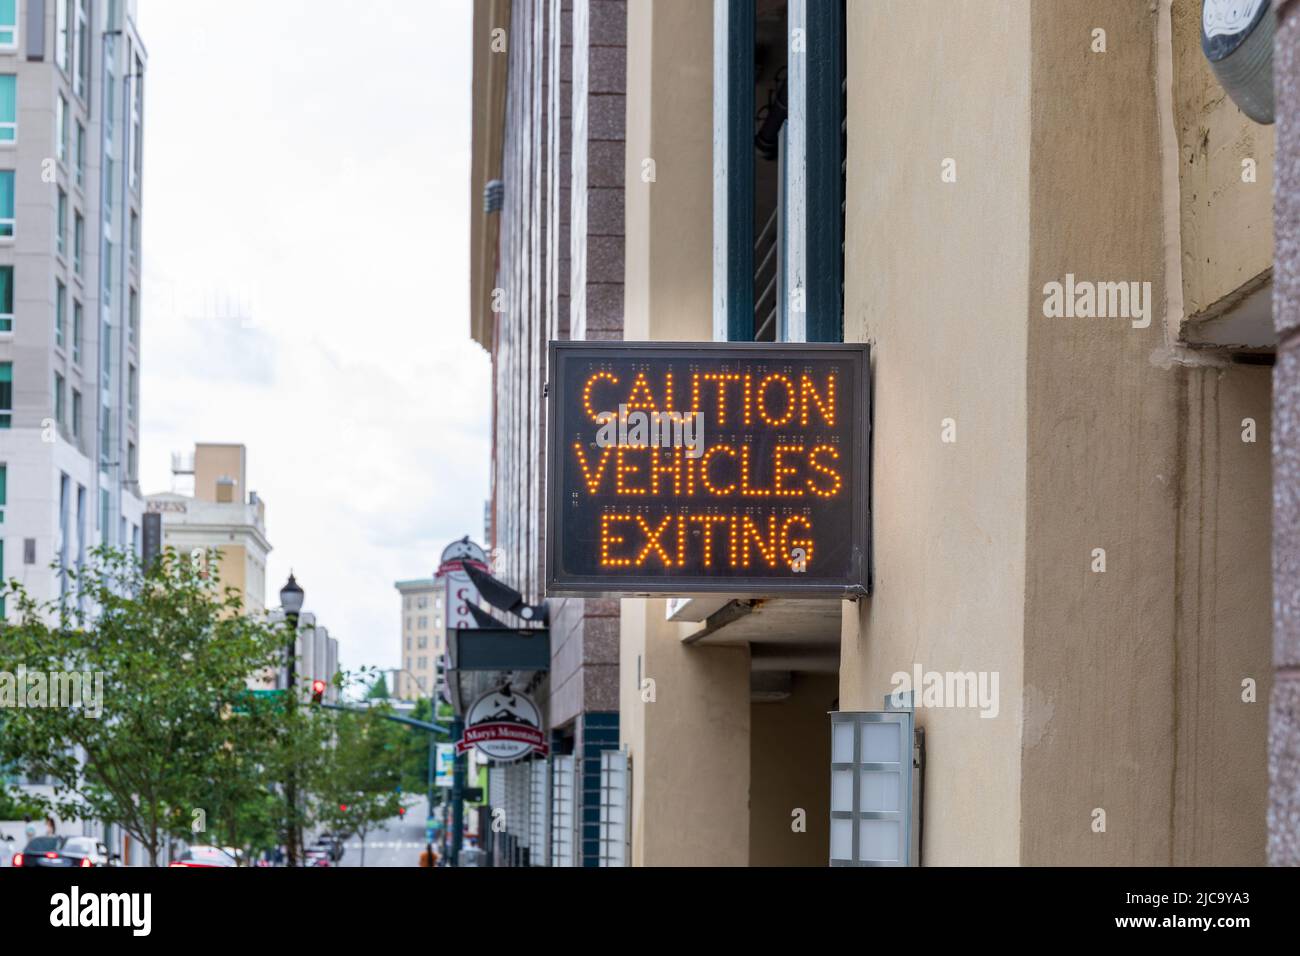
(696, 468)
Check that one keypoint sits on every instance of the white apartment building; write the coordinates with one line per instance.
(71, 116)
(318, 658)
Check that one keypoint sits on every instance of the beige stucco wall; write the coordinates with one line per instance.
(789, 770)
(1132, 677)
(669, 222)
(689, 746)
(1226, 223)
(1120, 690)
(937, 279)
(213, 462)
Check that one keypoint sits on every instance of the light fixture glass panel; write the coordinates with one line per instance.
(880, 743)
(841, 839)
(879, 790)
(841, 742)
(878, 841)
(842, 790)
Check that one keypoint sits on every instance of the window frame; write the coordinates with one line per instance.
(60, 314)
(7, 315)
(16, 27)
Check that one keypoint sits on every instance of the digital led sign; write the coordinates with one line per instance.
(707, 467)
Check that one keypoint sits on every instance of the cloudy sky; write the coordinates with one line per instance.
(305, 284)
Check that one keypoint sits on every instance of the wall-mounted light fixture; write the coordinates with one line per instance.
(1237, 39)
(872, 810)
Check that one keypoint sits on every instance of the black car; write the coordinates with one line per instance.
(65, 851)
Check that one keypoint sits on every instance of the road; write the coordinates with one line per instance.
(397, 842)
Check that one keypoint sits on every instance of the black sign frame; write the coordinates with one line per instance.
(853, 584)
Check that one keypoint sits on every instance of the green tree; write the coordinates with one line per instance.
(357, 787)
(379, 689)
(157, 743)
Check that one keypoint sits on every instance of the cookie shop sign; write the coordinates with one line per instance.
(707, 468)
(503, 725)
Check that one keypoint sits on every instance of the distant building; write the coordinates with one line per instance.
(318, 657)
(209, 508)
(423, 638)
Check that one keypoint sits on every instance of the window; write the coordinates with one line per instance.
(65, 494)
(103, 515)
(6, 394)
(132, 394)
(423, 601)
(59, 411)
(422, 663)
(6, 298)
(4, 492)
(106, 352)
(110, 184)
(106, 441)
(778, 263)
(82, 49)
(77, 332)
(81, 154)
(8, 107)
(78, 240)
(133, 318)
(135, 238)
(60, 311)
(76, 415)
(422, 623)
(8, 24)
(408, 642)
(110, 106)
(62, 35)
(61, 128)
(61, 224)
(6, 203)
(108, 272)
(130, 461)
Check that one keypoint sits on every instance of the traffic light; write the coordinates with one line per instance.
(317, 691)
(343, 808)
(401, 811)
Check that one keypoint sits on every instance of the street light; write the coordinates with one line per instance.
(291, 597)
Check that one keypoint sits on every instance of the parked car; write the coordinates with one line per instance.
(333, 843)
(204, 857)
(65, 851)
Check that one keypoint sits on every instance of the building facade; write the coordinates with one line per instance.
(547, 253)
(71, 175)
(1059, 244)
(423, 638)
(218, 513)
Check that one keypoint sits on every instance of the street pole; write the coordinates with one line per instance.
(433, 753)
(291, 788)
(291, 598)
(457, 794)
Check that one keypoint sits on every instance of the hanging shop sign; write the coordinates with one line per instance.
(503, 725)
(705, 468)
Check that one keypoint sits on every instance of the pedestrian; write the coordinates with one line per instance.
(50, 828)
(429, 857)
